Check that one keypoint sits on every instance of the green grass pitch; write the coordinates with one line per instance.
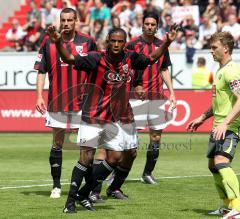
(185, 189)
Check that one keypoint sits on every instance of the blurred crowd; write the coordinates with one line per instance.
(200, 18)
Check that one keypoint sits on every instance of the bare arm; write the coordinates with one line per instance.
(40, 104)
(194, 124)
(170, 37)
(168, 81)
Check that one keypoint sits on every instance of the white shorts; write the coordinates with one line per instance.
(64, 120)
(111, 136)
(152, 113)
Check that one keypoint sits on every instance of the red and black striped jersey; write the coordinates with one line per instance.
(109, 86)
(65, 83)
(151, 78)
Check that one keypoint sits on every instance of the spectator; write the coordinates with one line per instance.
(100, 11)
(83, 13)
(211, 11)
(136, 30)
(225, 10)
(150, 8)
(34, 35)
(67, 4)
(50, 15)
(206, 29)
(190, 32)
(233, 27)
(202, 78)
(121, 10)
(134, 9)
(99, 32)
(34, 12)
(116, 23)
(167, 22)
(15, 35)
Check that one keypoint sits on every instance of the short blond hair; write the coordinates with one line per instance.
(225, 38)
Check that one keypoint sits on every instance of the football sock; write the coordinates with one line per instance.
(230, 183)
(152, 156)
(98, 187)
(100, 172)
(119, 178)
(55, 160)
(79, 171)
(218, 184)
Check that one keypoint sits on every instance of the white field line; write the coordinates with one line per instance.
(132, 179)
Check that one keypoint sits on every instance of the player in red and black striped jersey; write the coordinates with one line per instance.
(106, 112)
(65, 88)
(153, 77)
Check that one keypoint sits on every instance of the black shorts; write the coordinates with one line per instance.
(225, 147)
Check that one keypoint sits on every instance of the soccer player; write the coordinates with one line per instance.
(153, 77)
(225, 109)
(106, 114)
(65, 89)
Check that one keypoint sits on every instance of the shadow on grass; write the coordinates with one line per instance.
(41, 193)
(200, 211)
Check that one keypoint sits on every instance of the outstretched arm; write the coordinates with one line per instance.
(170, 37)
(56, 37)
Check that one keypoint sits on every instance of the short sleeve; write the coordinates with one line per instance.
(40, 62)
(166, 60)
(232, 77)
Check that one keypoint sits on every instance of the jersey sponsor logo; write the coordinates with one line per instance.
(39, 57)
(214, 90)
(234, 85)
(79, 50)
(115, 78)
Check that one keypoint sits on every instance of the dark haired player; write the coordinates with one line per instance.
(107, 115)
(65, 90)
(154, 103)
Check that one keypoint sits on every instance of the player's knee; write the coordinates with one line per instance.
(132, 154)
(220, 159)
(155, 138)
(86, 157)
(114, 160)
(58, 144)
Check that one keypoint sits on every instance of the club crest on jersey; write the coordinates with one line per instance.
(219, 77)
(115, 78)
(125, 68)
(39, 57)
(234, 85)
(79, 50)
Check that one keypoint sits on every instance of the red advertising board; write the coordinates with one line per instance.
(18, 114)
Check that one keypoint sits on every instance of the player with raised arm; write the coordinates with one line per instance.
(107, 115)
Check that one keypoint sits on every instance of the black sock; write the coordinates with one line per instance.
(152, 156)
(55, 161)
(100, 172)
(98, 187)
(119, 178)
(79, 171)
